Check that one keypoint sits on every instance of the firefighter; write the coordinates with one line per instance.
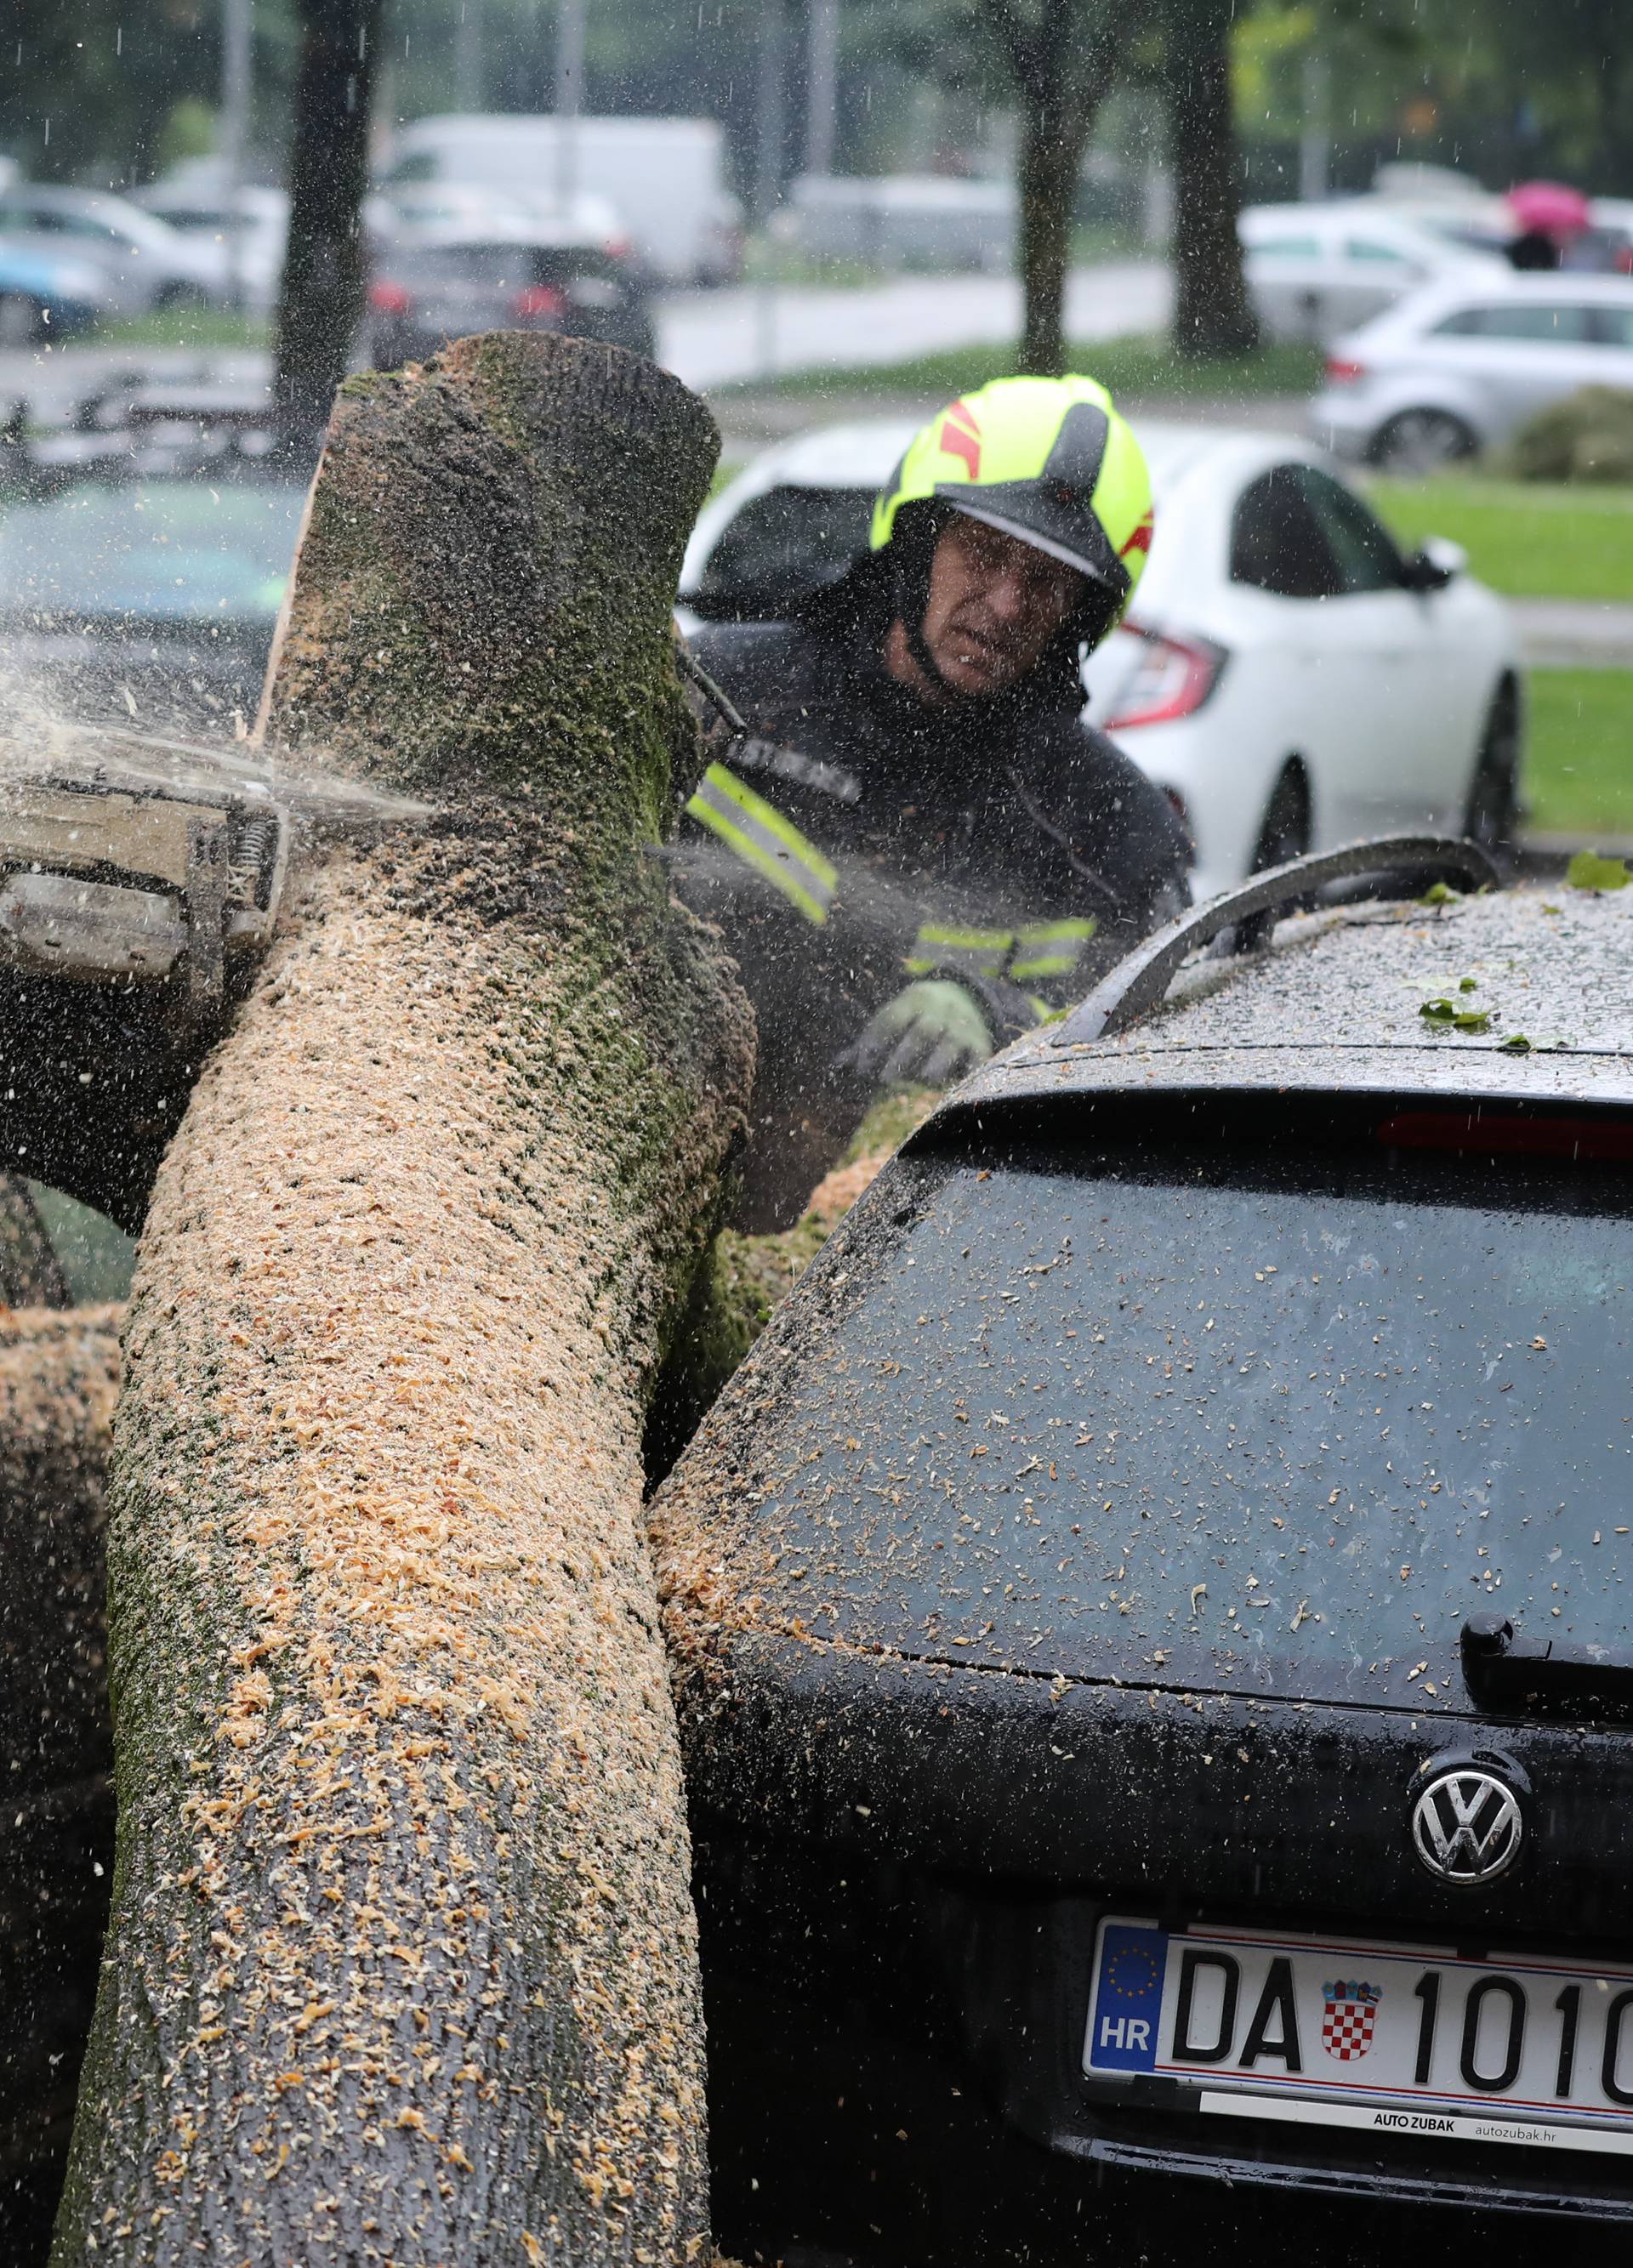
(918, 848)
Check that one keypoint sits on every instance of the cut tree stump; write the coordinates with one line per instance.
(401, 1965)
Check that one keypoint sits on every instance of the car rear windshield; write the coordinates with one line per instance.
(1225, 1424)
(781, 544)
(155, 550)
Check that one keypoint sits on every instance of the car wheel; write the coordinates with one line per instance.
(19, 319)
(1422, 441)
(1493, 806)
(1285, 831)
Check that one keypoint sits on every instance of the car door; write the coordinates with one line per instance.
(1333, 631)
(1524, 354)
(1613, 332)
(1290, 276)
(1431, 691)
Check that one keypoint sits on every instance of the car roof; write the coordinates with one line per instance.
(521, 234)
(1345, 213)
(863, 452)
(1333, 1007)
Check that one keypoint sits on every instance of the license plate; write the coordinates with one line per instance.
(1394, 2039)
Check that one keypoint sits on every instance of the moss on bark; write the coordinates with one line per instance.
(402, 1963)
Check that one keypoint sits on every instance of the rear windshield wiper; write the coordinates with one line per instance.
(1504, 1670)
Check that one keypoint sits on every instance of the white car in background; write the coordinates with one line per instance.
(1286, 677)
(1455, 369)
(246, 227)
(1314, 270)
(145, 262)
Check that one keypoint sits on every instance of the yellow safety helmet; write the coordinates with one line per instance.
(1047, 460)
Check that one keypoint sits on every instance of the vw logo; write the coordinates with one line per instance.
(1468, 1826)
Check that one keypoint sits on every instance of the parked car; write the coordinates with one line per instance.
(439, 208)
(893, 221)
(145, 263)
(249, 224)
(1287, 677)
(141, 585)
(1456, 369)
(1314, 270)
(1155, 1630)
(433, 286)
(47, 295)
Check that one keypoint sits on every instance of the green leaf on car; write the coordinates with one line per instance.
(1588, 871)
(1448, 1013)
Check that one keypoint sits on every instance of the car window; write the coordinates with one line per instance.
(1551, 323)
(1367, 559)
(1277, 544)
(165, 550)
(1286, 247)
(1360, 247)
(499, 264)
(1613, 327)
(789, 541)
(95, 1259)
(1282, 1426)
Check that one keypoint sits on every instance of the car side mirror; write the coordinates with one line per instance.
(1436, 562)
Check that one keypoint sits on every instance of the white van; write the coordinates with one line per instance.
(665, 176)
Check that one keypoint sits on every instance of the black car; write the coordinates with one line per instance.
(427, 291)
(1157, 1610)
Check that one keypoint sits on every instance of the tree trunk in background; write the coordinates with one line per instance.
(1047, 184)
(325, 273)
(1212, 315)
(401, 1961)
(1064, 56)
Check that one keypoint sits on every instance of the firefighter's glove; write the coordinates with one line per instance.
(928, 1035)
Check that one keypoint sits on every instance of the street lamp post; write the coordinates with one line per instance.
(471, 58)
(773, 108)
(822, 79)
(237, 32)
(569, 99)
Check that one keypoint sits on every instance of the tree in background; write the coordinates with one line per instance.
(1212, 315)
(1063, 57)
(325, 269)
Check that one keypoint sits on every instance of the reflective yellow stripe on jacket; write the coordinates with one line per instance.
(1038, 949)
(760, 836)
(1050, 948)
(941, 945)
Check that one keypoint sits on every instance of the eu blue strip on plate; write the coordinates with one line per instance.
(1130, 1998)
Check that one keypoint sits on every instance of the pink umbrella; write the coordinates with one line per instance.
(1550, 208)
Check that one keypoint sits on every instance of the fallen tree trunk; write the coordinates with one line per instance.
(402, 1962)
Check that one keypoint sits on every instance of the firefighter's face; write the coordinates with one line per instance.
(995, 605)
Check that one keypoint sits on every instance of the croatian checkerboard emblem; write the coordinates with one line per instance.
(1350, 2013)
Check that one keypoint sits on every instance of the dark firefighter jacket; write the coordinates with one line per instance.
(861, 837)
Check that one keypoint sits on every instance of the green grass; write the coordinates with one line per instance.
(1579, 761)
(185, 326)
(1148, 366)
(1532, 541)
